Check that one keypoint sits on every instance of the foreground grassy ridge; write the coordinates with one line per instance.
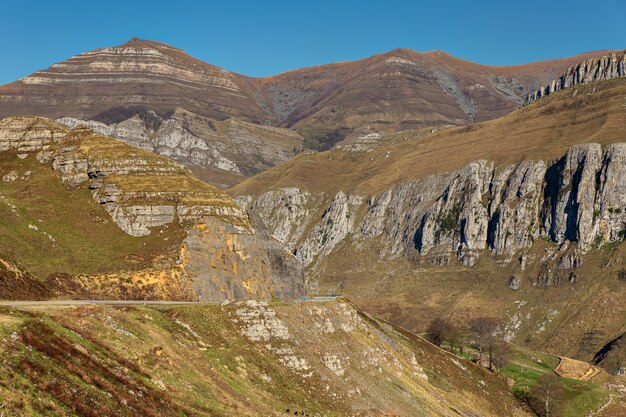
(74, 234)
(195, 361)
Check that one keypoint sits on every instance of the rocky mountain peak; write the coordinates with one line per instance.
(145, 44)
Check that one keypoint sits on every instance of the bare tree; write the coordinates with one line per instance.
(546, 398)
(486, 331)
(441, 330)
(455, 339)
(499, 352)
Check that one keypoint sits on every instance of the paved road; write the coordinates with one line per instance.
(91, 302)
(128, 302)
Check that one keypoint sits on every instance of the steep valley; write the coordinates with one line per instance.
(331, 241)
(521, 217)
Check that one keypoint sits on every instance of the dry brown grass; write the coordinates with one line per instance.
(543, 130)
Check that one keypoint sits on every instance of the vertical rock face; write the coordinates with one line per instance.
(606, 67)
(610, 204)
(570, 190)
(226, 262)
(284, 211)
(336, 223)
(218, 261)
(458, 219)
(514, 209)
(580, 199)
(140, 190)
(407, 204)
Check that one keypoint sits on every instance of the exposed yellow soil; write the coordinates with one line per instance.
(571, 368)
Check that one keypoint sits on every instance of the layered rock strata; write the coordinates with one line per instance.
(234, 146)
(140, 191)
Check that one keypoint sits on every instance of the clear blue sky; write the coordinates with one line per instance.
(267, 37)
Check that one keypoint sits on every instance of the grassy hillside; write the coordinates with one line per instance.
(573, 320)
(313, 359)
(47, 227)
(541, 131)
(581, 397)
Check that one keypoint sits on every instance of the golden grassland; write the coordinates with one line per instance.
(541, 131)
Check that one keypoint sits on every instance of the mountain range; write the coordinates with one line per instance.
(418, 186)
(428, 89)
(160, 98)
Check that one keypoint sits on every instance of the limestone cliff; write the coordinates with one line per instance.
(576, 202)
(223, 255)
(605, 67)
(337, 221)
(227, 262)
(218, 261)
(234, 147)
(140, 190)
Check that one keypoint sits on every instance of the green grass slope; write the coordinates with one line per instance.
(244, 359)
(48, 228)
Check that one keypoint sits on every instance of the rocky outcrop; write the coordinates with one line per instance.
(579, 198)
(517, 192)
(612, 356)
(606, 67)
(458, 218)
(336, 223)
(25, 134)
(577, 202)
(227, 262)
(218, 262)
(140, 190)
(285, 212)
(233, 146)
